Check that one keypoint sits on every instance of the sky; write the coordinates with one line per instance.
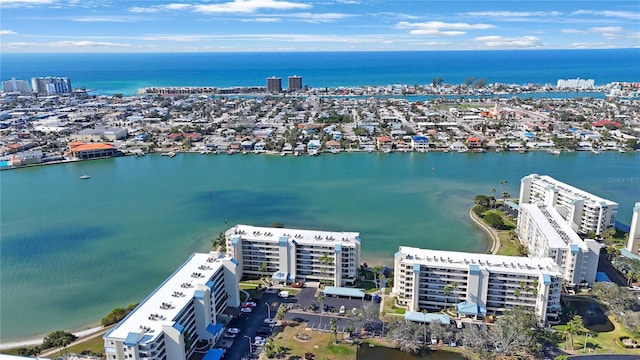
(41, 26)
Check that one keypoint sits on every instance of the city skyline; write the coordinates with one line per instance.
(46, 26)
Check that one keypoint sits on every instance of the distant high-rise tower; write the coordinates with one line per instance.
(295, 83)
(633, 243)
(51, 85)
(14, 85)
(274, 84)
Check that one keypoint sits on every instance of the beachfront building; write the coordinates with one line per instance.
(13, 85)
(633, 244)
(51, 85)
(288, 255)
(274, 84)
(575, 83)
(476, 284)
(83, 150)
(584, 212)
(184, 310)
(544, 233)
(295, 83)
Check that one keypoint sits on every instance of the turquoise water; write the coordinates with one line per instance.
(72, 249)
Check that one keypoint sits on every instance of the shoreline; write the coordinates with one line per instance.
(80, 333)
(495, 247)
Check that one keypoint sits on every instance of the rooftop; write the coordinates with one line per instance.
(572, 190)
(554, 228)
(493, 263)
(164, 304)
(312, 237)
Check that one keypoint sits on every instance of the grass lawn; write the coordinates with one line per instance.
(507, 247)
(320, 344)
(95, 345)
(603, 342)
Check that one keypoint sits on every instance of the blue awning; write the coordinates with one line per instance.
(214, 329)
(470, 308)
(344, 291)
(602, 277)
(178, 327)
(214, 354)
(427, 318)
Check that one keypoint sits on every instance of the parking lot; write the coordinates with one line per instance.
(303, 307)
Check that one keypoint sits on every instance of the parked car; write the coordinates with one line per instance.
(283, 294)
(459, 324)
(264, 331)
(270, 321)
(342, 310)
(250, 304)
(434, 339)
(246, 310)
(453, 343)
(233, 331)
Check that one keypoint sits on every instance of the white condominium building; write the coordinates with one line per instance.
(183, 310)
(544, 233)
(477, 284)
(295, 255)
(585, 212)
(633, 244)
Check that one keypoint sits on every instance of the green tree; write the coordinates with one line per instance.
(334, 331)
(494, 219)
(58, 338)
(573, 328)
(446, 290)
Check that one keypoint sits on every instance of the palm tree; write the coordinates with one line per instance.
(321, 301)
(334, 330)
(446, 290)
(574, 327)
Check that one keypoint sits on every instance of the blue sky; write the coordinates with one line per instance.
(318, 25)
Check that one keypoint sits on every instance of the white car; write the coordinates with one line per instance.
(260, 342)
(246, 310)
(233, 331)
(269, 321)
(342, 310)
(434, 339)
(283, 294)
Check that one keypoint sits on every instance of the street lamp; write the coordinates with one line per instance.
(250, 345)
(268, 310)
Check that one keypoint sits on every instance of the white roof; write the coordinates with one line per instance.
(176, 291)
(493, 263)
(568, 189)
(308, 237)
(554, 228)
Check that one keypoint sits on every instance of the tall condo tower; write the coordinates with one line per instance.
(295, 83)
(274, 84)
(633, 243)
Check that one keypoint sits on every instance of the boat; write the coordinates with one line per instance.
(386, 150)
(554, 151)
(313, 152)
(597, 152)
(283, 154)
(621, 150)
(85, 177)
(169, 154)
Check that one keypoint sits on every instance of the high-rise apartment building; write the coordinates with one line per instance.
(274, 84)
(14, 85)
(633, 244)
(51, 85)
(288, 255)
(544, 233)
(476, 284)
(295, 83)
(584, 212)
(186, 308)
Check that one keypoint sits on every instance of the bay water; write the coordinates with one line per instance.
(71, 250)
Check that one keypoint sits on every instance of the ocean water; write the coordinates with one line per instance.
(126, 73)
(71, 249)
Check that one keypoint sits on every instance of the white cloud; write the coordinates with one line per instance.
(510, 42)
(263, 20)
(439, 28)
(249, 6)
(318, 18)
(631, 15)
(606, 29)
(25, 2)
(115, 19)
(513, 14)
(573, 31)
(8, 32)
(396, 15)
(597, 45)
(67, 44)
(138, 9)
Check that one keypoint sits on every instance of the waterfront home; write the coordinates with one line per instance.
(458, 146)
(313, 145)
(384, 143)
(420, 143)
(83, 150)
(333, 145)
(474, 142)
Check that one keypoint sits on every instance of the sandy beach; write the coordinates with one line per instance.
(37, 341)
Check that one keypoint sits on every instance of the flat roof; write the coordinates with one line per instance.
(145, 322)
(493, 263)
(553, 227)
(300, 236)
(571, 190)
(427, 318)
(343, 291)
